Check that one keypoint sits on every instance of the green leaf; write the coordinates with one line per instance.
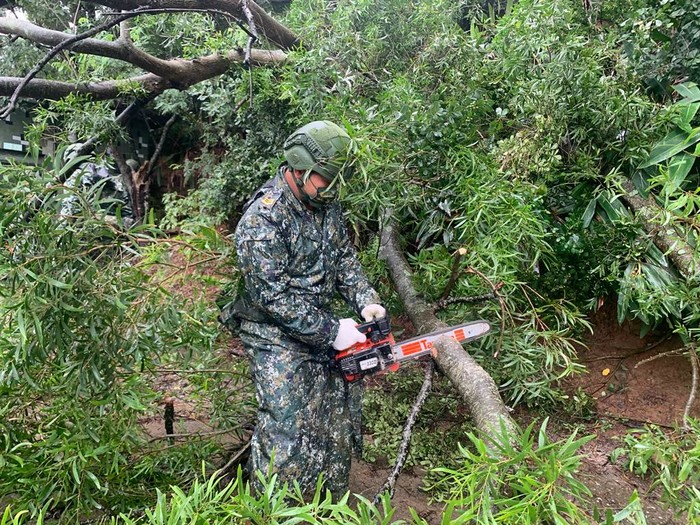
(657, 277)
(589, 213)
(685, 116)
(22, 326)
(672, 144)
(74, 470)
(660, 37)
(688, 90)
(678, 169)
(94, 479)
(607, 206)
(57, 284)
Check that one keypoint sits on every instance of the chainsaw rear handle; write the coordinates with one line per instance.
(370, 357)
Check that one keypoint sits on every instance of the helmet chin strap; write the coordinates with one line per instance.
(303, 196)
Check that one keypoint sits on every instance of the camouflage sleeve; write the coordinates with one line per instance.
(351, 282)
(263, 260)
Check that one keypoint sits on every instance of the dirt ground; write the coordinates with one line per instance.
(626, 396)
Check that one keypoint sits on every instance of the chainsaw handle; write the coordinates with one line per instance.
(376, 330)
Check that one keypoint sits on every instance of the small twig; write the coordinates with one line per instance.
(620, 360)
(495, 289)
(232, 461)
(694, 388)
(161, 143)
(622, 419)
(441, 304)
(199, 371)
(76, 13)
(677, 351)
(636, 352)
(406, 436)
(609, 378)
(191, 435)
(454, 274)
(540, 323)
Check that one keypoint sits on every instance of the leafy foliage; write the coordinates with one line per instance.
(662, 41)
(207, 502)
(81, 321)
(670, 176)
(523, 479)
(507, 136)
(671, 460)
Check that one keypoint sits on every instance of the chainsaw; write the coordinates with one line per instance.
(380, 352)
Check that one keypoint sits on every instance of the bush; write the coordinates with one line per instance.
(671, 460)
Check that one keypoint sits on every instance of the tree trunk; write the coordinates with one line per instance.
(475, 386)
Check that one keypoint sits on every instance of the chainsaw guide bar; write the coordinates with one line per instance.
(423, 344)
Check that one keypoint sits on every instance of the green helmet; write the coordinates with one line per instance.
(320, 146)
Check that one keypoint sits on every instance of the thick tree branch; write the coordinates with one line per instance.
(268, 27)
(474, 385)
(665, 237)
(193, 72)
(172, 73)
(67, 42)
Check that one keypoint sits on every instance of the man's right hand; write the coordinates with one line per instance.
(348, 335)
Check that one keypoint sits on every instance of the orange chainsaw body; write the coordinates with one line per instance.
(381, 353)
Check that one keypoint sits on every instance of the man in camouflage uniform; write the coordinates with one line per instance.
(294, 255)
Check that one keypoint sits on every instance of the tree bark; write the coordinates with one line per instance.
(475, 386)
(161, 73)
(666, 238)
(268, 27)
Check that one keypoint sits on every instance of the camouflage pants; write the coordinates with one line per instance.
(308, 417)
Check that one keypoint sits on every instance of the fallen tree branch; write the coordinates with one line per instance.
(268, 27)
(476, 387)
(665, 237)
(406, 435)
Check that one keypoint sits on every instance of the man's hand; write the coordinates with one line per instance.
(348, 335)
(373, 311)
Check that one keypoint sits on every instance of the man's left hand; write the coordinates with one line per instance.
(373, 311)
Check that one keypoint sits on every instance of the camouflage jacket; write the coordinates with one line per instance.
(293, 261)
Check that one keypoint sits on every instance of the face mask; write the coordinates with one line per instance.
(323, 196)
